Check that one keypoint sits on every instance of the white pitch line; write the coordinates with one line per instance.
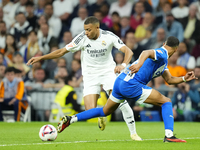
(4, 145)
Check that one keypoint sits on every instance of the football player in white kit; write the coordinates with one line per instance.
(98, 67)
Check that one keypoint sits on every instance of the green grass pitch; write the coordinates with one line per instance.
(87, 136)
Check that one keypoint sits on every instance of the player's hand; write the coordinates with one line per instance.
(33, 60)
(119, 68)
(134, 68)
(190, 76)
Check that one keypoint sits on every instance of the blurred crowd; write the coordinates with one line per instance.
(31, 28)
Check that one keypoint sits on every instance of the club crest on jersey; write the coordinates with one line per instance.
(103, 43)
(159, 51)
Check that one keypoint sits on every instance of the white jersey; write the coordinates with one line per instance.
(96, 57)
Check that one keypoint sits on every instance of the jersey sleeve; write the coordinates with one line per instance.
(76, 43)
(160, 55)
(117, 42)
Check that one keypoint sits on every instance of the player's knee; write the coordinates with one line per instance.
(87, 107)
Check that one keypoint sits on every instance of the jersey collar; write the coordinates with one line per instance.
(166, 51)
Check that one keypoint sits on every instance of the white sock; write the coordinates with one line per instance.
(73, 119)
(168, 133)
(128, 116)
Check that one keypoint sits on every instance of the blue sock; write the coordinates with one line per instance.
(91, 113)
(167, 116)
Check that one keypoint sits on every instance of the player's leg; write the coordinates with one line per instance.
(109, 108)
(158, 99)
(90, 101)
(128, 116)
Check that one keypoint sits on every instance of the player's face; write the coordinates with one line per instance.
(91, 31)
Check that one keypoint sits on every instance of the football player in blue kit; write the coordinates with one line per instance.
(132, 83)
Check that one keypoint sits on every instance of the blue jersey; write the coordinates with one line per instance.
(150, 68)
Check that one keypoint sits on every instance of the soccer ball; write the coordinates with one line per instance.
(48, 133)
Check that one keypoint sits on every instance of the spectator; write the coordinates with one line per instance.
(137, 17)
(77, 55)
(123, 7)
(62, 9)
(67, 38)
(125, 27)
(78, 22)
(5, 19)
(42, 97)
(171, 26)
(2, 35)
(197, 3)
(119, 58)
(161, 17)
(19, 64)
(67, 98)
(47, 40)
(191, 27)
(32, 47)
(2, 71)
(77, 79)
(143, 31)
(42, 20)
(130, 41)
(30, 75)
(53, 21)
(60, 77)
(157, 41)
(31, 18)
(81, 4)
(185, 101)
(195, 84)
(106, 18)
(116, 23)
(39, 10)
(22, 42)
(1, 59)
(17, 8)
(99, 16)
(50, 65)
(196, 51)
(10, 49)
(174, 69)
(97, 6)
(185, 59)
(181, 10)
(7, 7)
(22, 26)
(11, 95)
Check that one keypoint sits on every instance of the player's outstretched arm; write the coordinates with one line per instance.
(55, 54)
(143, 56)
(176, 80)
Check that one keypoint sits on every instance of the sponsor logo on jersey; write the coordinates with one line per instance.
(88, 45)
(159, 51)
(103, 43)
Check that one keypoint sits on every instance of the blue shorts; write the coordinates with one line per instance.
(123, 90)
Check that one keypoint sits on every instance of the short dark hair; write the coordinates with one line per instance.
(172, 41)
(21, 13)
(30, 4)
(91, 20)
(10, 69)
(17, 70)
(115, 13)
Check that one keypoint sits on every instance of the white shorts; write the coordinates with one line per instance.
(92, 84)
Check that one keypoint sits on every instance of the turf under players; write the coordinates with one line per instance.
(131, 83)
(98, 66)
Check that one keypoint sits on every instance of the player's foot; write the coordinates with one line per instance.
(173, 139)
(135, 137)
(102, 123)
(65, 122)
